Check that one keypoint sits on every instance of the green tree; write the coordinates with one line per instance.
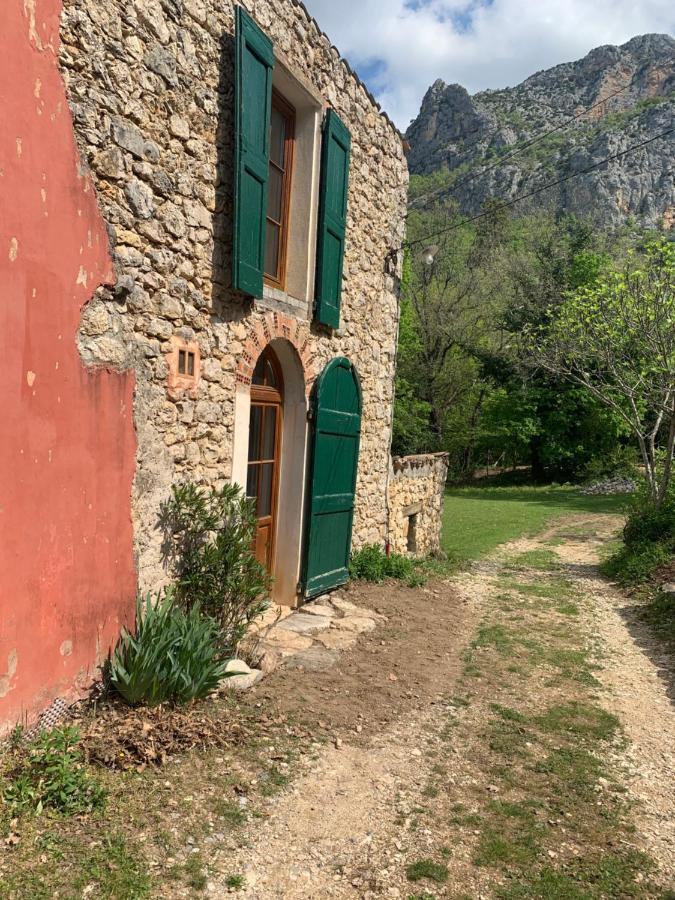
(616, 338)
(447, 309)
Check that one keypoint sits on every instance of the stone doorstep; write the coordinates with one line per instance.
(270, 617)
(318, 609)
(348, 608)
(336, 639)
(310, 638)
(285, 642)
(358, 624)
(303, 623)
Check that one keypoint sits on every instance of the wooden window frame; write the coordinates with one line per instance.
(288, 112)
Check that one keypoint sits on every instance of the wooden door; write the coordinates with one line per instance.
(264, 453)
(332, 484)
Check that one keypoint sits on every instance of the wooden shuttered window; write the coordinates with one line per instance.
(254, 62)
(332, 219)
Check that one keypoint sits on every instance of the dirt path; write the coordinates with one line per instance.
(335, 832)
(640, 677)
(503, 771)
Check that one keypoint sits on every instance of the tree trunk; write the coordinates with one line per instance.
(667, 465)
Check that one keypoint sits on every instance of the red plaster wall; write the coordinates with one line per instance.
(67, 444)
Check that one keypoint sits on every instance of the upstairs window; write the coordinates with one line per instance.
(282, 129)
(269, 133)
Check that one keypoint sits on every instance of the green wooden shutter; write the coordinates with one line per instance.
(332, 219)
(336, 430)
(253, 104)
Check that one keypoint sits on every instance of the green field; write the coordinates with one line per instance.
(478, 519)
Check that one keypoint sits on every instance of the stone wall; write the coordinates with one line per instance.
(150, 85)
(416, 493)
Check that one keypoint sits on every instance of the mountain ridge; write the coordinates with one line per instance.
(622, 96)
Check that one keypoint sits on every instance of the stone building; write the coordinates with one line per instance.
(204, 200)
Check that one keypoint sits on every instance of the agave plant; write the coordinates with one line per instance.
(174, 654)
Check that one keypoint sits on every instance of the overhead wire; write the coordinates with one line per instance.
(508, 203)
(440, 192)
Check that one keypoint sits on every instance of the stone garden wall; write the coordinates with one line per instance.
(416, 502)
(150, 86)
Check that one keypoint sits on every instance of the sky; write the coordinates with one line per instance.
(400, 47)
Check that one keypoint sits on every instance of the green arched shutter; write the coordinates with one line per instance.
(336, 430)
(253, 102)
(332, 219)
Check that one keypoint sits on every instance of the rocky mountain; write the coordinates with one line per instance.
(457, 135)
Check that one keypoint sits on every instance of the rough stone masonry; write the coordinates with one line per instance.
(150, 85)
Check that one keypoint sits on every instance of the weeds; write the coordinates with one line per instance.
(427, 868)
(52, 774)
(231, 813)
(371, 563)
(195, 872)
(544, 560)
(659, 614)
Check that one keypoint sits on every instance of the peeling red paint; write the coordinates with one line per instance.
(67, 450)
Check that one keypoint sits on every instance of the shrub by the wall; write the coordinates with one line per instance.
(209, 547)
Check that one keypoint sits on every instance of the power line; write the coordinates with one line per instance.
(440, 192)
(508, 203)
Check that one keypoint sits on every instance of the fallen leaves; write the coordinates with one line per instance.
(120, 737)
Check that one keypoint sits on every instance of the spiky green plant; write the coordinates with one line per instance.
(174, 654)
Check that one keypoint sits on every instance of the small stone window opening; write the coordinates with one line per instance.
(186, 363)
(412, 533)
(184, 367)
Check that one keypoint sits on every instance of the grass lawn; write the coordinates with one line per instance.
(478, 519)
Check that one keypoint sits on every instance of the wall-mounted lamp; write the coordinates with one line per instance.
(429, 254)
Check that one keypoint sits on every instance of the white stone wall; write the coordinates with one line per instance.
(416, 489)
(150, 85)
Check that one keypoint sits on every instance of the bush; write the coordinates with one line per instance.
(648, 542)
(371, 563)
(175, 654)
(52, 775)
(647, 524)
(209, 546)
(620, 462)
(636, 563)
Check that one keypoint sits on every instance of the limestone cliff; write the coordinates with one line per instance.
(456, 135)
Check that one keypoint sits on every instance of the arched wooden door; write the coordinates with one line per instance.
(336, 433)
(264, 452)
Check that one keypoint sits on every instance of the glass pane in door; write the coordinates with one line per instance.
(255, 428)
(269, 433)
(252, 482)
(265, 489)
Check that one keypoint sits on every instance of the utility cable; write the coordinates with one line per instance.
(508, 203)
(440, 192)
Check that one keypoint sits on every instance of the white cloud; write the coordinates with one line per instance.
(400, 47)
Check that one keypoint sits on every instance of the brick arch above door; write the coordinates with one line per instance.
(265, 329)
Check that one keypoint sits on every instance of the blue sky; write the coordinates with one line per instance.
(400, 47)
